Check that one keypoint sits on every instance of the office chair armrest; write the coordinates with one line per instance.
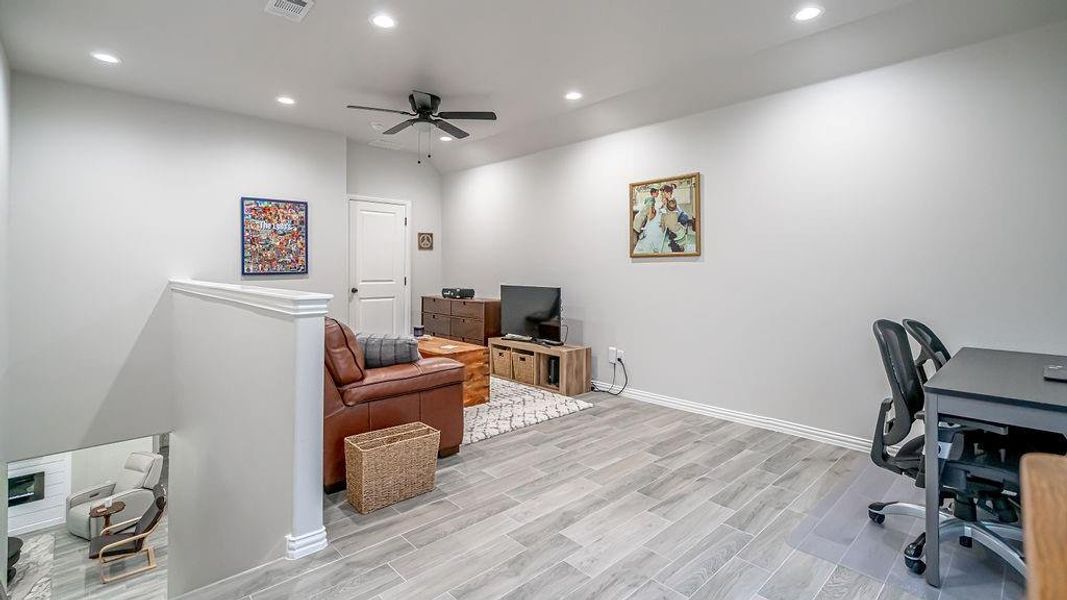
(878, 449)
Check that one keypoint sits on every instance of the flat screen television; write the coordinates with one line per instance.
(531, 311)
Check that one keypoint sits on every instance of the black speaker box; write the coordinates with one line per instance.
(457, 292)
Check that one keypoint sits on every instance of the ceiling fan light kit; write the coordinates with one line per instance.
(425, 115)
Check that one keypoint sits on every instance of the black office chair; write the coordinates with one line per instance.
(931, 348)
(977, 472)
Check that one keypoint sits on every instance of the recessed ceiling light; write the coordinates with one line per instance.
(383, 20)
(573, 96)
(807, 13)
(288, 100)
(446, 138)
(106, 57)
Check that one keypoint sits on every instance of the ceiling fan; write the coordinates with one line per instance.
(424, 108)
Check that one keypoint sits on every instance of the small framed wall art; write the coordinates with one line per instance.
(425, 241)
(274, 237)
(663, 216)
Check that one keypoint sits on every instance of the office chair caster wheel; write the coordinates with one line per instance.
(914, 550)
(876, 517)
(915, 565)
(966, 542)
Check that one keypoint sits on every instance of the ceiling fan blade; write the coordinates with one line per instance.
(388, 110)
(481, 116)
(400, 127)
(450, 129)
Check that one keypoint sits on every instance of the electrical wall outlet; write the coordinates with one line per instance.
(619, 354)
(611, 355)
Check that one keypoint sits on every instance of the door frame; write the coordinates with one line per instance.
(352, 199)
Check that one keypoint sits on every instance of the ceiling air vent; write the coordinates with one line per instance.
(294, 10)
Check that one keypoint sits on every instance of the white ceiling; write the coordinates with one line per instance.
(636, 61)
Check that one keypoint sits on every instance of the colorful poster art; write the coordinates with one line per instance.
(274, 237)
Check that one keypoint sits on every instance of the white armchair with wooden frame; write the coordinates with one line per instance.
(128, 539)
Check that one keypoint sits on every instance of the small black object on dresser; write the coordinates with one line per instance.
(457, 292)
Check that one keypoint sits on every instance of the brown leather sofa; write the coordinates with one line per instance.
(358, 399)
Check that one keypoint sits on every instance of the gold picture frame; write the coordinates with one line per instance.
(663, 217)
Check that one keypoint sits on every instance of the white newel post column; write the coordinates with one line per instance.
(308, 533)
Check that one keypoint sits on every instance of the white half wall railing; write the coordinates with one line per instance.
(246, 451)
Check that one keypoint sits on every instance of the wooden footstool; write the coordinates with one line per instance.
(475, 361)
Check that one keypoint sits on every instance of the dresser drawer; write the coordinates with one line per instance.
(438, 306)
(436, 324)
(469, 309)
(468, 328)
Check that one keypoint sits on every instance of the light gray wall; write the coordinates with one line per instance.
(5, 144)
(398, 176)
(231, 478)
(932, 189)
(112, 195)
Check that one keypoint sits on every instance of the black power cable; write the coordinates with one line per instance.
(625, 381)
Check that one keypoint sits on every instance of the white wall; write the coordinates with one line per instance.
(112, 195)
(93, 466)
(397, 175)
(933, 189)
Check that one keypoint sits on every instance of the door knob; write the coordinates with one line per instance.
(355, 290)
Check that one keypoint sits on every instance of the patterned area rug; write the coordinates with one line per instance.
(33, 576)
(513, 406)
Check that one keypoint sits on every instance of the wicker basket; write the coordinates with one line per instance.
(502, 362)
(389, 465)
(524, 367)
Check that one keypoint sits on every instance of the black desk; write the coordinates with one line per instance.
(996, 386)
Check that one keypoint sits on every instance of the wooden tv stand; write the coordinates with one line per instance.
(575, 365)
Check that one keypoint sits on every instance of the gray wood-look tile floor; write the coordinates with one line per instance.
(629, 500)
(76, 577)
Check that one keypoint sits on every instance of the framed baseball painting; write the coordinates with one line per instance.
(274, 237)
(663, 216)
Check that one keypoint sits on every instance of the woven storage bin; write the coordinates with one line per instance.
(502, 362)
(524, 368)
(389, 465)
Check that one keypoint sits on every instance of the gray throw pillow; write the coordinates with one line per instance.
(382, 350)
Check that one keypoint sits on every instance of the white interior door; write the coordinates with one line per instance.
(378, 295)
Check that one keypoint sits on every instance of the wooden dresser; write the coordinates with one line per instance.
(471, 320)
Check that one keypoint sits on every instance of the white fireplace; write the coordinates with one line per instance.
(26, 511)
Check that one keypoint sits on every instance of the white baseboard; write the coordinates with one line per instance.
(38, 526)
(843, 440)
(305, 545)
